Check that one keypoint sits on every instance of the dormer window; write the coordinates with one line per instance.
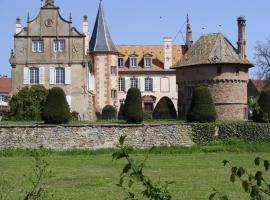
(148, 61)
(133, 61)
(121, 62)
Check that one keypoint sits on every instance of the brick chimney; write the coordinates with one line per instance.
(167, 52)
(85, 26)
(18, 25)
(241, 37)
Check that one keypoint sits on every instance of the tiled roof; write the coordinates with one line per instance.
(101, 40)
(5, 85)
(211, 49)
(256, 87)
(157, 52)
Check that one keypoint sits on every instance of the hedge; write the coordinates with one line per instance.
(204, 133)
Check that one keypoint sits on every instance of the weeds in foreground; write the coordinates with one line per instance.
(133, 173)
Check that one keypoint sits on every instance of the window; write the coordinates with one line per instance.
(113, 70)
(34, 76)
(133, 61)
(3, 98)
(148, 107)
(121, 62)
(122, 101)
(37, 46)
(219, 70)
(113, 94)
(59, 45)
(133, 82)
(237, 71)
(60, 75)
(147, 62)
(149, 84)
(121, 84)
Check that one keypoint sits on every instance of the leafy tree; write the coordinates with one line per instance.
(202, 108)
(132, 173)
(109, 112)
(28, 103)
(255, 184)
(56, 108)
(262, 110)
(165, 109)
(133, 111)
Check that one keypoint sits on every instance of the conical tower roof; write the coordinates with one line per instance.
(101, 40)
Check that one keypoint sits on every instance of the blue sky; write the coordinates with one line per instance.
(146, 21)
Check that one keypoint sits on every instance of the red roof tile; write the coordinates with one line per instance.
(5, 85)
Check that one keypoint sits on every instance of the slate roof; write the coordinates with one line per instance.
(156, 51)
(101, 40)
(211, 49)
(5, 85)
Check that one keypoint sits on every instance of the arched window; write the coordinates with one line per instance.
(34, 75)
(60, 75)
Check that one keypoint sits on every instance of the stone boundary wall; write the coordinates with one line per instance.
(94, 136)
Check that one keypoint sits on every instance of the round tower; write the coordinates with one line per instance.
(213, 62)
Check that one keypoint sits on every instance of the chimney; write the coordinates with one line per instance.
(18, 25)
(167, 52)
(189, 40)
(241, 37)
(86, 33)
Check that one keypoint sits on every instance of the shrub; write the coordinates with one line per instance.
(165, 109)
(75, 116)
(99, 115)
(133, 111)
(27, 105)
(203, 133)
(108, 112)
(121, 112)
(202, 108)
(56, 109)
(261, 111)
(147, 116)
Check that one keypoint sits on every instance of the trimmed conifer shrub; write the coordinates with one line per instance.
(133, 111)
(261, 112)
(202, 108)
(165, 109)
(56, 109)
(108, 112)
(121, 112)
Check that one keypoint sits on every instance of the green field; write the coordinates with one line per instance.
(89, 176)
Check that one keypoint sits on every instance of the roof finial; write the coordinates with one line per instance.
(49, 3)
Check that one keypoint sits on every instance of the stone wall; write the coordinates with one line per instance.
(94, 137)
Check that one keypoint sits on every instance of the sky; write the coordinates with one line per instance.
(146, 22)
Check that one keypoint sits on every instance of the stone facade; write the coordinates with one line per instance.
(94, 137)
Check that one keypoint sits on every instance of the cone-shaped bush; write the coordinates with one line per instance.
(202, 108)
(108, 112)
(164, 109)
(121, 112)
(133, 111)
(262, 111)
(56, 109)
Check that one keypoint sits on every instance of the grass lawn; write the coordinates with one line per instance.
(84, 177)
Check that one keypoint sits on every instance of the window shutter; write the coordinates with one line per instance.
(69, 101)
(155, 84)
(142, 84)
(41, 75)
(127, 83)
(67, 76)
(52, 76)
(26, 76)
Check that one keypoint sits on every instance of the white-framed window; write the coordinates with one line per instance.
(121, 84)
(59, 45)
(122, 101)
(121, 62)
(3, 98)
(113, 70)
(37, 46)
(113, 94)
(60, 75)
(134, 82)
(148, 84)
(34, 76)
(133, 61)
(147, 62)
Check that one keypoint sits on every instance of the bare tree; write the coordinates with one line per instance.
(262, 58)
